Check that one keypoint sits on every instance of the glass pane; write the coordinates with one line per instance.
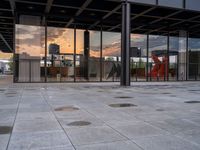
(60, 54)
(94, 61)
(171, 3)
(157, 57)
(81, 59)
(138, 57)
(111, 56)
(182, 63)
(193, 4)
(194, 58)
(29, 53)
(173, 57)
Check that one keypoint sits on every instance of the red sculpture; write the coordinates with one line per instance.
(160, 68)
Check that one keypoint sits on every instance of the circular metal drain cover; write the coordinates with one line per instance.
(5, 129)
(192, 102)
(160, 109)
(193, 90)
(165, 93)
(172, 95)
(123, 105)
(123, 97)
(79, 123)
(66, 108)
(30, 89)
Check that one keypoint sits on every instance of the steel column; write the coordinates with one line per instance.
(101, 53)
(46, 49)
(125, 43)
(147, 62)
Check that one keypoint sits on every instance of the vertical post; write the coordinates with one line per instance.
(168, 61)
(147, 63)
(45, 57)
(75, 53)
(14, 45)
(86, 54)
(101, 54)
(187, 56)
(125, 44)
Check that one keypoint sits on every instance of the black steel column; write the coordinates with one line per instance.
(187, 55)
(147, 62)
(101, 53)
(168, 57)
(14, 44)
(125, 43)
(74, 53)
(46, 49)
(86, 54)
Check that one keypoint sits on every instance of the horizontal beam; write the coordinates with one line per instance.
(6, 43)
(81, 9)
(106, 16)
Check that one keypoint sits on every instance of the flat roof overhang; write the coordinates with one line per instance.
(91, 14)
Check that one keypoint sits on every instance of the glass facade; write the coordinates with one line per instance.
(53, 54)
(74, 55)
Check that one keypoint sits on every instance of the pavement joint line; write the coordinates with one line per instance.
(19, 100)
(52, 110)
(114, 129)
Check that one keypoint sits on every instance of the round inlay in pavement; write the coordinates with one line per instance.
(10, 93)
(165, 93)
(66, 108)
(193, 90)
(123, 97)
(172, 95)
(5, 129)
(192, 102)
(30, 89)
(123, 105)
(79, 123)
(160, 109)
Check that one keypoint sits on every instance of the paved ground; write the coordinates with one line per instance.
(44, 116)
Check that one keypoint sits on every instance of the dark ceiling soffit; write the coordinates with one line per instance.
(47, 10)
(12, 5)
(160, 19)
(142, 13)
(106, 16)
(86, 3)
(6, 43)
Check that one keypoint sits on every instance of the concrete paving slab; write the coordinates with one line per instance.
(119, 145)
(33, 140)
(139, 130)
(164, 142)
(4, 141)
(92, 135)
(36, 126)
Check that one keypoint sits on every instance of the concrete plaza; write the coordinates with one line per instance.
(69, 116)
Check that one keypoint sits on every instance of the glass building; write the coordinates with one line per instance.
(102, 41)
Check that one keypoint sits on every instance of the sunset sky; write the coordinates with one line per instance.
(5, 55)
